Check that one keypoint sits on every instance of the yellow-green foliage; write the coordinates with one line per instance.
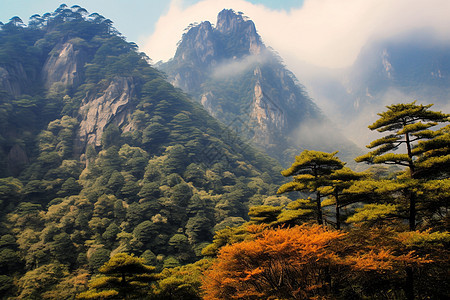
(375, 186)
(372, 212)
(311, 159)
(128, 276)
(227, 236)
(300, 203)
(125, 263)
(109, 294)
(289, 216)
(424, 238)
(404, 121)
(328, 202)
(182, 282)
(263, 214)
(392, 157)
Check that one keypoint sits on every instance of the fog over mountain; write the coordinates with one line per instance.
(414, 66)
(245, 84)
(326, 44)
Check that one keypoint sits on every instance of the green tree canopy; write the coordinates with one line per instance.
(309, 172)
(409, 125)
(123, 276)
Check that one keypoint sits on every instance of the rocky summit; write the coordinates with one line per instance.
(244, 83)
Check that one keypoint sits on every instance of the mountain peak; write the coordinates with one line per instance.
(237, 27)
(228, 21)
(228, 69)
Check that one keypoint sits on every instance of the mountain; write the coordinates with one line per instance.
(244, 84)
(99, 154)
(413, 66)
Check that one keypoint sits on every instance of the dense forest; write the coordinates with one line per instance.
(115, 185)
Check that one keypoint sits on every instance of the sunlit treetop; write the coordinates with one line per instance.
(309, 162)
(409, 123)
(400, 115)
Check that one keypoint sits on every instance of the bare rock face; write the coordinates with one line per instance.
(268, 116)
(241, 30)
(112, 107)
(199, 49)
(207, 101)
(199, 45)
(244, 84)
(17, 160)
(64, 65)
(13, 79)
(211, 63)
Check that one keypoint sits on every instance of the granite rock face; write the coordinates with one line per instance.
(113, 106)
(64, 66)
(14, 79)
(243, 83)
(241, 30)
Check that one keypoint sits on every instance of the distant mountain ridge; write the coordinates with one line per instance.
(229, 70)
(413, 66)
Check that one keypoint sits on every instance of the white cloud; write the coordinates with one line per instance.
(161, 45)
(234, 67)
(326, 33)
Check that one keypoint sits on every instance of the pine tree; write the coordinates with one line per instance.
(124, 276)
(408, 125)
(337, 184)
(310, 170)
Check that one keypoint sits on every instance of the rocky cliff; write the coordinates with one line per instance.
(244, 84)
(64, 66)
(43, 75)
(112, 106)
(13, 78)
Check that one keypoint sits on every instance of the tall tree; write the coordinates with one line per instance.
(405, 125)
(336, 187)
(309, 172)
(123, 276)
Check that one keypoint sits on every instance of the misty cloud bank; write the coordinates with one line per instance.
(235, 67)
(322, 32)
(317, 41)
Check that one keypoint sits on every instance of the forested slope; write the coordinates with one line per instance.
(99, 155)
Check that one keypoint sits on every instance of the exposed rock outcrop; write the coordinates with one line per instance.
(207, 102)
(229, 70)
(64, 65)
(112, 107)
(241, 30)
(13, 79)
(17, 160)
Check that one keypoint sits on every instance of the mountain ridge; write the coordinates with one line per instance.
(412, 66)
(99, 155)
(229, 70)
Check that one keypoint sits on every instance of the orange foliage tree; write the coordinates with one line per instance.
(284, 263)
(309, 262)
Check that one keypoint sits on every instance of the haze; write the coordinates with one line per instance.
(325, 33)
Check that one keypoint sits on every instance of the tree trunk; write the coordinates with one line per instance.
(319, 210)
(338, 214)
(409, 283)
(411, 196)
(412, 211)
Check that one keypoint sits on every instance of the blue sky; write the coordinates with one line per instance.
(133, 18)
(307, 34)
(326, 33)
